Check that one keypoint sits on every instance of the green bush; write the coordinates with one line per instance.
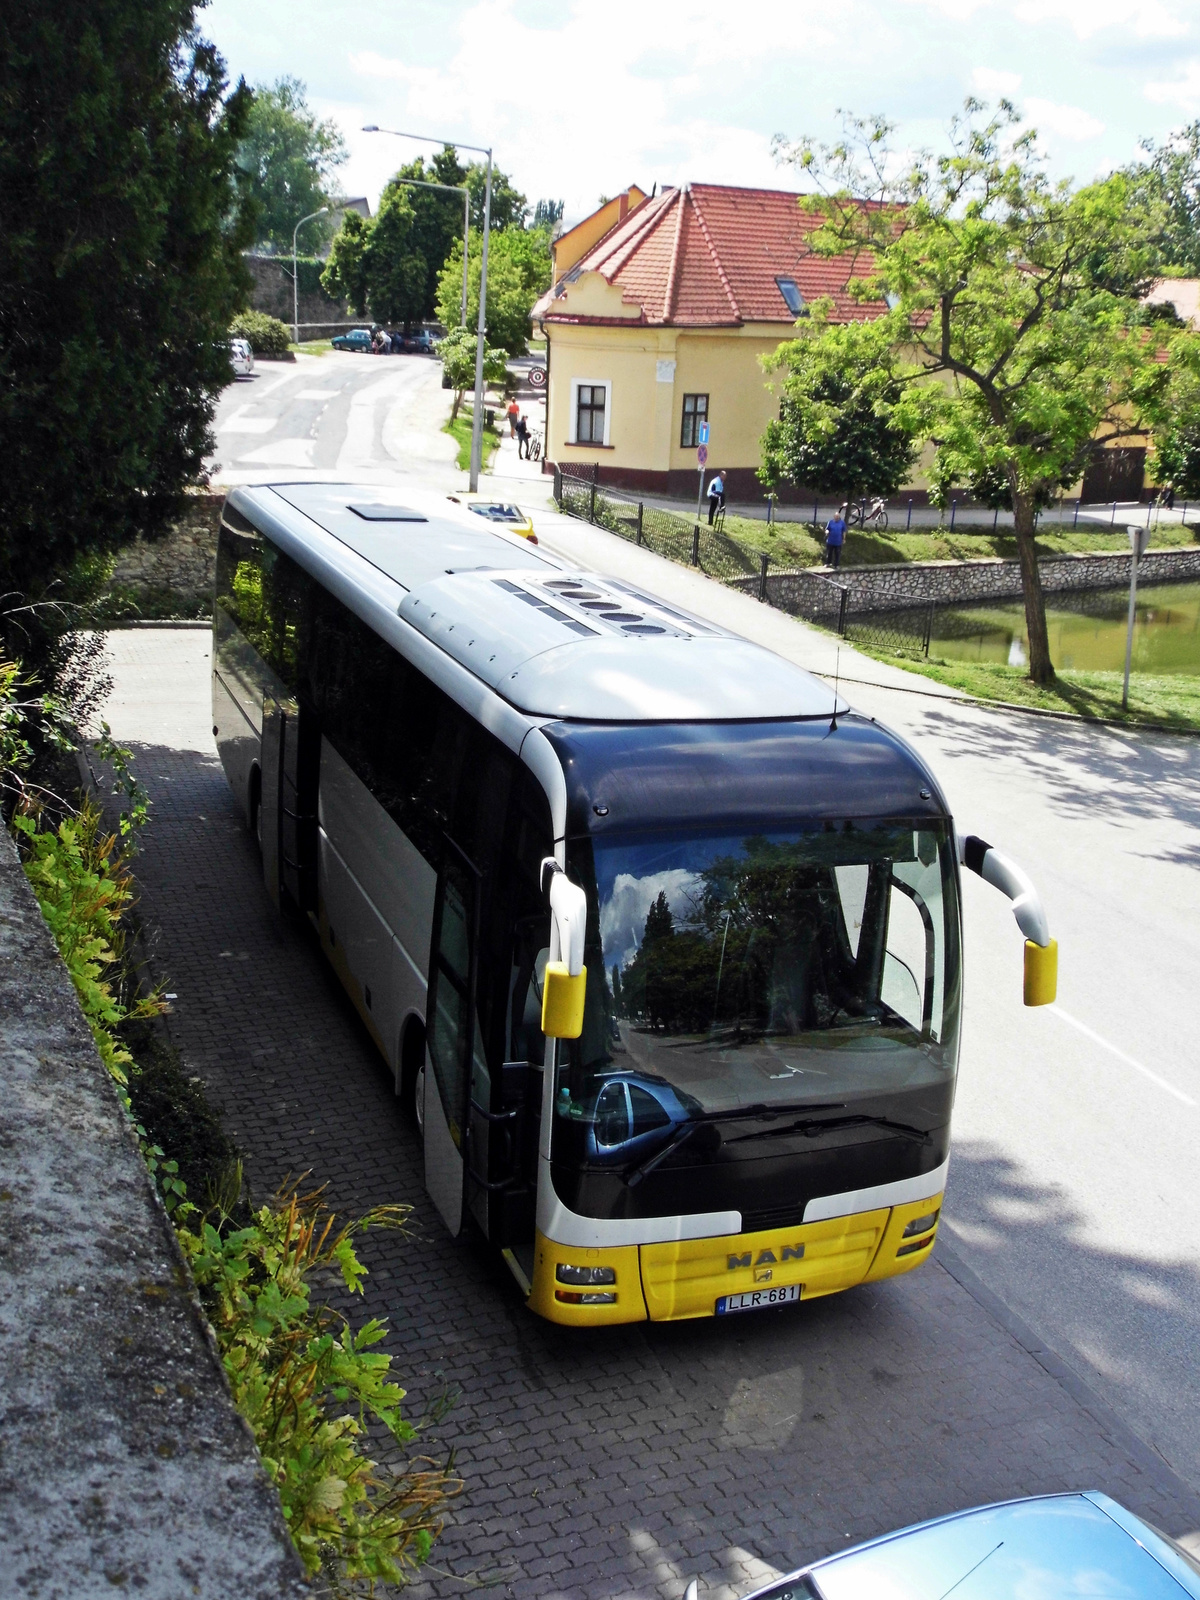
(267, 335)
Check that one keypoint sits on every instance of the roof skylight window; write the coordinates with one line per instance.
(790, 290)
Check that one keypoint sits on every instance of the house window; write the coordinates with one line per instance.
(794, 300)
(589, 413)
(695, 411)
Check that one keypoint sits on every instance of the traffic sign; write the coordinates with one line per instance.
(702, 454)
(537, 377)
(703, 433)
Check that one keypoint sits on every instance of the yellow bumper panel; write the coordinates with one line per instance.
(687, 1279)
(900, 1254)
(563, 1302)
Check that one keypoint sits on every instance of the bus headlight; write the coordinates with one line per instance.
(920, 1225)
(580, 1276)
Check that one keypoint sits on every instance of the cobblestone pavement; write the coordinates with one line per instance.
(615, 1465)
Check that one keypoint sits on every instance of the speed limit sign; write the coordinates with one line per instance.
(537, 377)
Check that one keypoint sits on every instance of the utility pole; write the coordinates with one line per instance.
(295, 275)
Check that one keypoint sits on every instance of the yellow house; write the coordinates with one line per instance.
(661, 308)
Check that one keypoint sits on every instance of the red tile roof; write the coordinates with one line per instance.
(708, 256)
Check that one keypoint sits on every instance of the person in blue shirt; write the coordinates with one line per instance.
(835, 538)
(716, 496)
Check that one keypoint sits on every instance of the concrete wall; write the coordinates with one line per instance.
(125, 1468)
(181, 562)
(894, 588)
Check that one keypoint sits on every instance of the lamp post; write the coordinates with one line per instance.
(295, 277)
(1139, 538)
(477, 420)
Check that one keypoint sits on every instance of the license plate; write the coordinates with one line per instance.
(757, 1299)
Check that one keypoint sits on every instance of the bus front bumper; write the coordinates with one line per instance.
(694, 1277)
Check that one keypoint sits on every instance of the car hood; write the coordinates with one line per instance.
(1051, 1548)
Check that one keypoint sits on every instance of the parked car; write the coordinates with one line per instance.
(419, 344)
(510, 517)
(1036, 1549)
(241, 357)
(357, 339)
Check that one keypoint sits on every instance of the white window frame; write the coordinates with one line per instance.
(589, 383)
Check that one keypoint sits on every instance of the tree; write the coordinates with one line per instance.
(846, 423)
(1177, 436)
(457, 352)
(509, 207)
(518, 272)
(373, 264)
(1002, 306)
(1170, 182)
(121, 232)
(289, 156)
(437, 218)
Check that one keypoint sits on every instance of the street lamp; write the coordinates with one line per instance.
(295, 277)
(450, 188)
(477, 420)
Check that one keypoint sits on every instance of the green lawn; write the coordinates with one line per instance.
(794, 544)
(313, 347)
(1170, 701)
(459, 429)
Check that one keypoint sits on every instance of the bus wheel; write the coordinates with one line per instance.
(412, 1071)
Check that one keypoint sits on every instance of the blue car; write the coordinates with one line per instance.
(1047, 1548)
(634, 1116)
(357, 339)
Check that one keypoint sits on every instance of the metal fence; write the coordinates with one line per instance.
(897, 632)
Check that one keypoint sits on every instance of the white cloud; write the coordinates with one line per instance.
(1067, 122)
(623, 915)
(992, 84)
(1145, 19)
(1183, 91)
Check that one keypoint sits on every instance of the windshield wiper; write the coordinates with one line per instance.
(812, 1128)
(686, 1129)
(680, 1136)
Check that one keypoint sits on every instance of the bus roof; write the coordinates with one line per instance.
(551, 640)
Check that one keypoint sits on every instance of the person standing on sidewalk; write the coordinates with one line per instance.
(522, 430)
(514, 411)
(835, 538)
(716, 497)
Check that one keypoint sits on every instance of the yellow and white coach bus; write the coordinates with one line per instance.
(660, 939)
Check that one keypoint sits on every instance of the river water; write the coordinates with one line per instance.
(1087, 631)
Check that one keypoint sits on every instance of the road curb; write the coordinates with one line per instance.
(1143, 1455)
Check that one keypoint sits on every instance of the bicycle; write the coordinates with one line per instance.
(534, 449)
(876, 517)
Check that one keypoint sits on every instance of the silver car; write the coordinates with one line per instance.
(1046, 1548)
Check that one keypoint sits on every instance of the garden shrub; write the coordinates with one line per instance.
(267, 335)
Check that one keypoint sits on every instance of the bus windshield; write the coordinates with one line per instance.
(812, 967)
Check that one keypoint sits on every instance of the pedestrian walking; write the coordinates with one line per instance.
(514, 411)
(716, 497)
(835, 538)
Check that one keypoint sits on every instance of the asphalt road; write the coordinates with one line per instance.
(613, 1464)
(371, 418)
(1073, 1183)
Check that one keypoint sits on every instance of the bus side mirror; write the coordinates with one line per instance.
(1041, 951)
(562, 1001)
(1041, 973)
(565, 982)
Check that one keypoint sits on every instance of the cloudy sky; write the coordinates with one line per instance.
(580, 98)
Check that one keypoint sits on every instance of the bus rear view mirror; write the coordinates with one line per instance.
(1041, 973)
(562, 1001)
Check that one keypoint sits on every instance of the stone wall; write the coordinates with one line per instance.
(182, 562)
(272, 293)
(896, 588)
(125, 1468)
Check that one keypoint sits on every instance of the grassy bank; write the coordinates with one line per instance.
(1171, 701)
(796, 544)
(459, 429)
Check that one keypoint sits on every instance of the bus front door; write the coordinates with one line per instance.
(290, 770)
(457, 1067)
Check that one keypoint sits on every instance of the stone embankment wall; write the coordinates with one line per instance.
(125, 1467)
(898, 587)
(183, 561)
(272, 293)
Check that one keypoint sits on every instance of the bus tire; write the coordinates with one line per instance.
(412, 1062)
